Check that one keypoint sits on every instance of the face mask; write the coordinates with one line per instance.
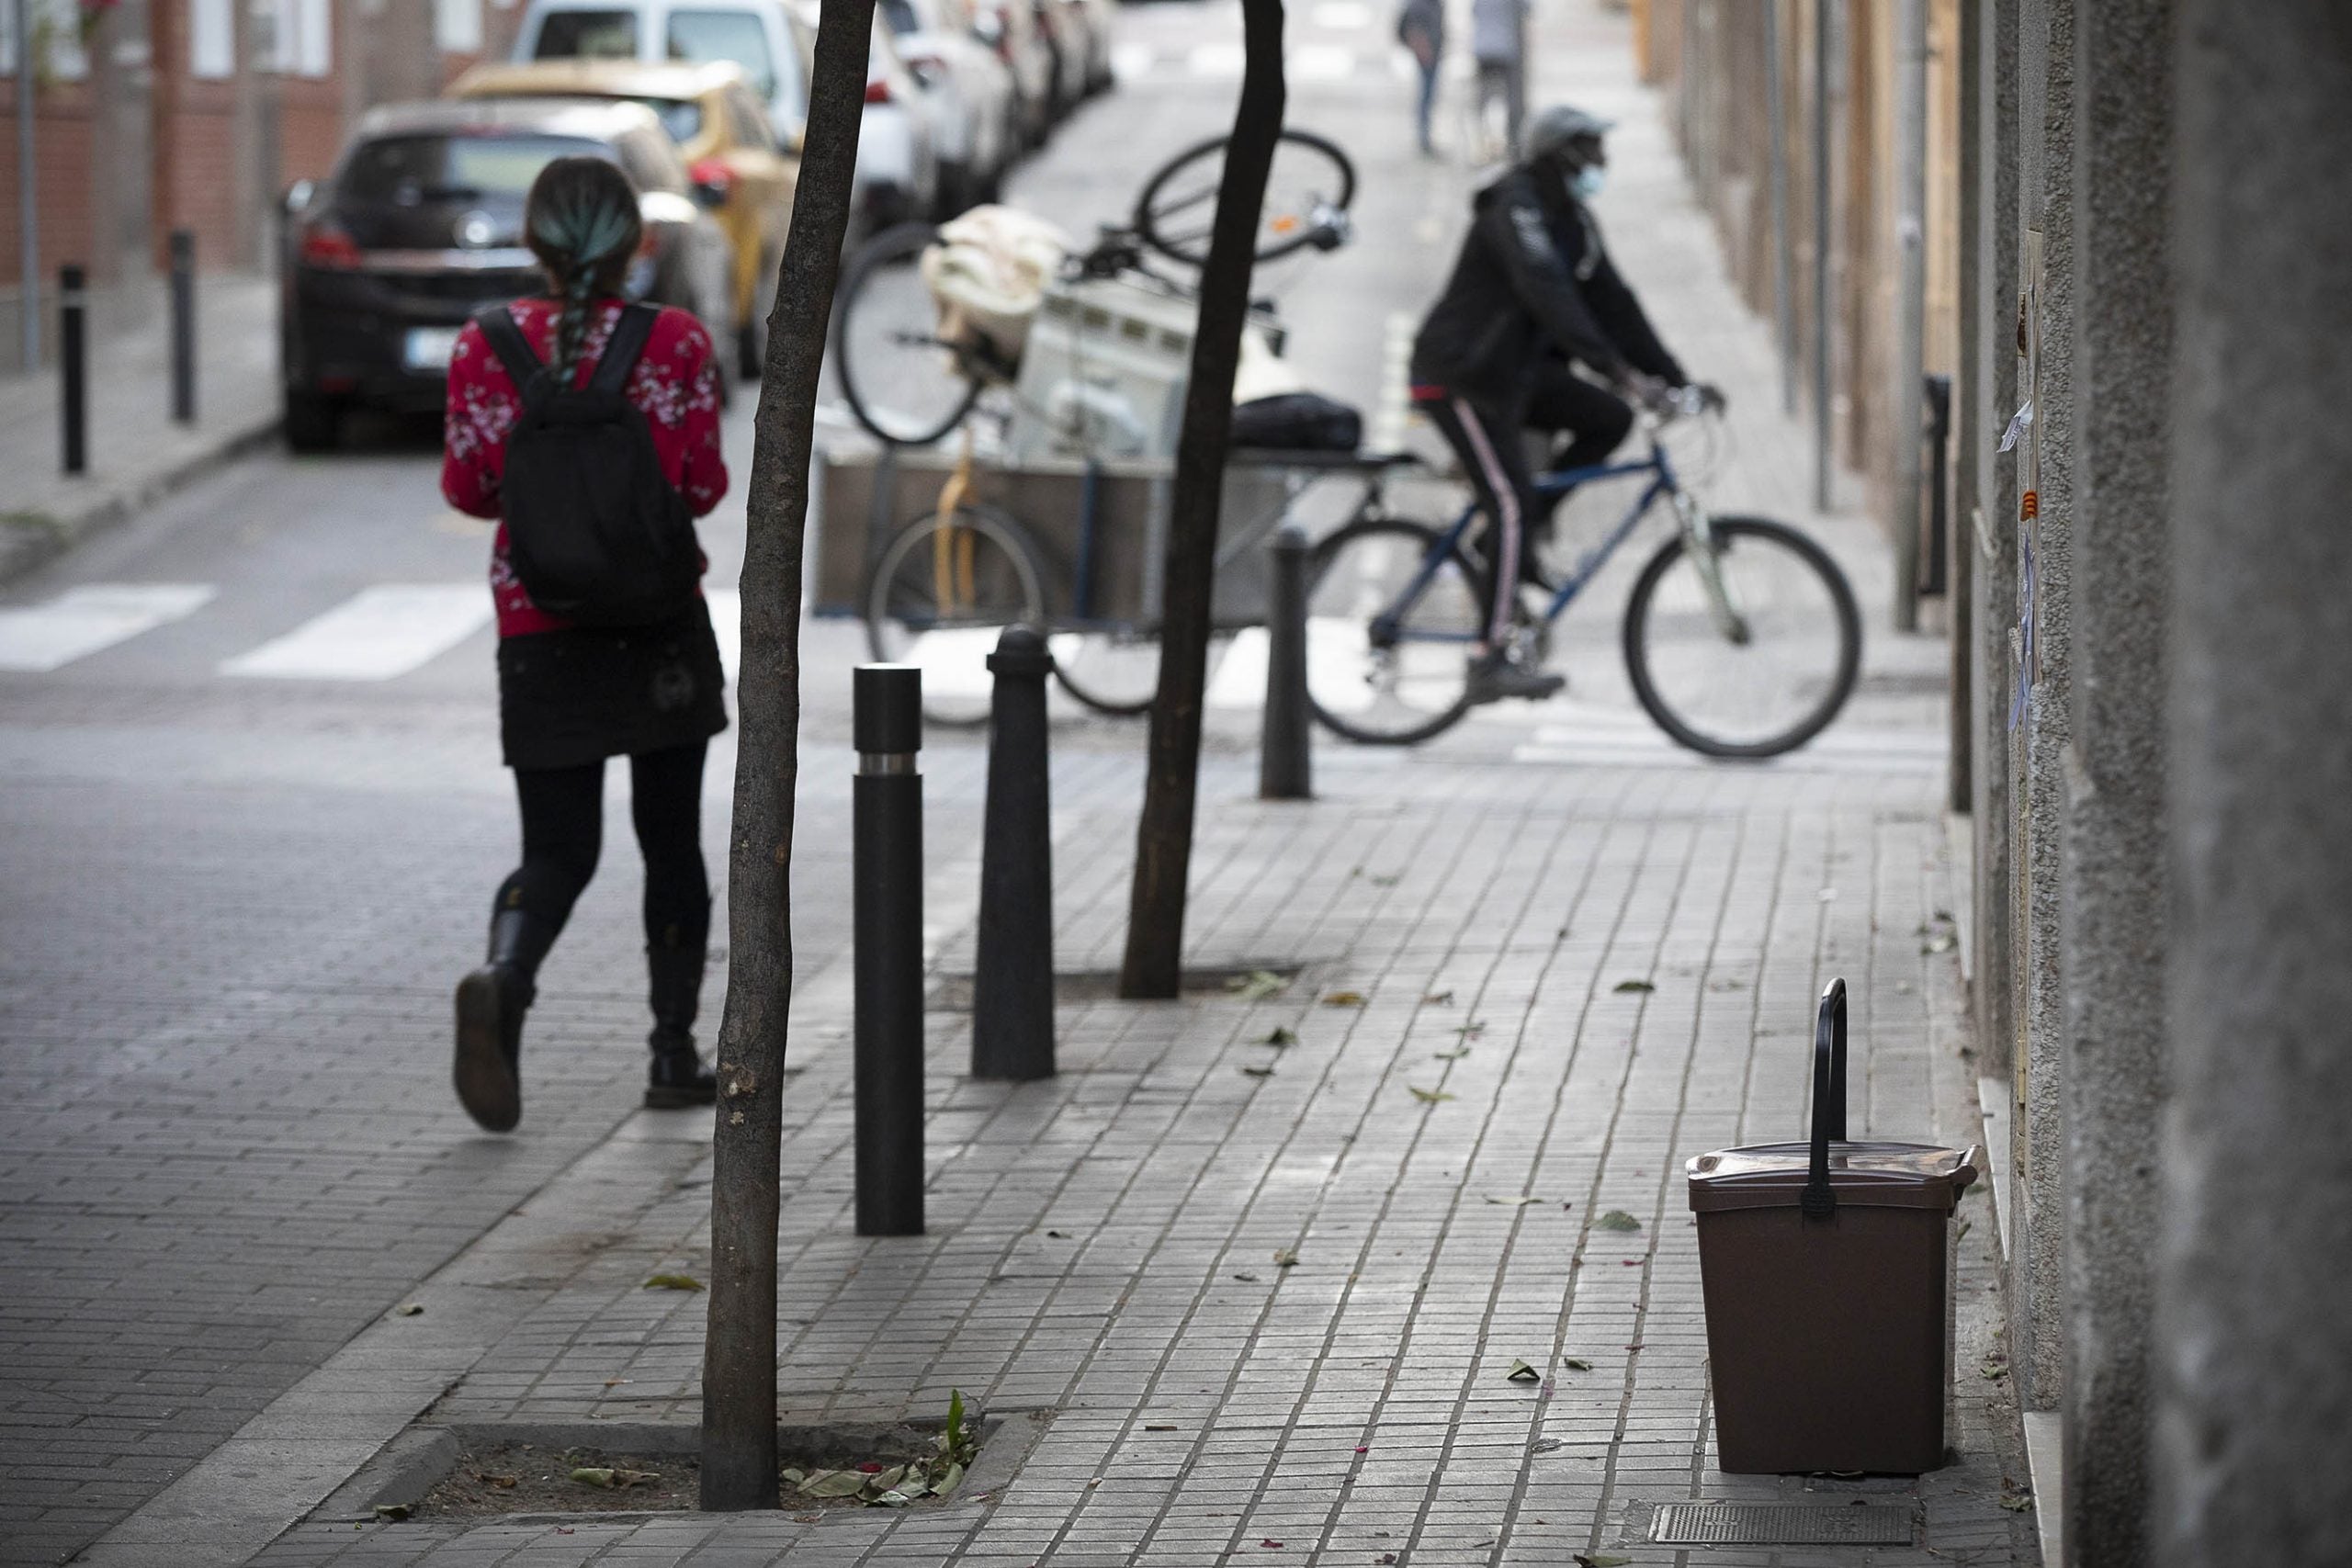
(1588, 182)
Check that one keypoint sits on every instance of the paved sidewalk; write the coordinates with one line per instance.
(1435, 1146)
(136, 453)
(1102, 1246)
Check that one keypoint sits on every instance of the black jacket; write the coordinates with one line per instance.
(1532, 278)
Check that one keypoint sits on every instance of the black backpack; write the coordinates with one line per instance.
(595, 531)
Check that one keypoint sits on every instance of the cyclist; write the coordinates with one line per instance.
(1533, 294)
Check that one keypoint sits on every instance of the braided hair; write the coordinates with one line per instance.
(581, 220)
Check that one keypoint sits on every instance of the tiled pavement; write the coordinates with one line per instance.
(1102, 1246)
(1170, 1172)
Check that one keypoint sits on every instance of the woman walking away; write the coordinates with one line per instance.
(1421, 27)
(589, 427)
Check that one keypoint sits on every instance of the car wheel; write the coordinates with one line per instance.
(312, 423)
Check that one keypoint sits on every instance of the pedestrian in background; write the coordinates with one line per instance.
(1421, 27)
(1499, 45)
(570, 694)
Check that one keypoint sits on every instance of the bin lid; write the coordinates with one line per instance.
(1892, 1176)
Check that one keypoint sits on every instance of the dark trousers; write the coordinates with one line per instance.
(563, 813)
(1486, 435)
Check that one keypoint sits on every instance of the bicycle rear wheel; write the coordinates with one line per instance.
(940, 596)
(1390, 622)
(903, 382)
(1307, 188)
(1777, 673)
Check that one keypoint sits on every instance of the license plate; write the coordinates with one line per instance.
(428, 349)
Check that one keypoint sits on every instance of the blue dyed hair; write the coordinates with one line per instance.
(581, 222)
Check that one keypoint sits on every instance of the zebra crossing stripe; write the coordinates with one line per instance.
(376, 635)
(82, 621)
(1239, 679)
(727, 625)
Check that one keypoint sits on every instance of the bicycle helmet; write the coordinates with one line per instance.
(1564, 134)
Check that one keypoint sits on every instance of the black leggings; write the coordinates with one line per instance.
(1486, 437)
(563, 812)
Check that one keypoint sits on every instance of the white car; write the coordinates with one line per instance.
(896, 170)
(770, 43)
(1012, 29)
(976, 122)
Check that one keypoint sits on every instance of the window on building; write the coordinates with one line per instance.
(304, 44)
(211, 38)
(457, 26)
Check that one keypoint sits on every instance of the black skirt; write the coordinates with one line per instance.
(585, 693)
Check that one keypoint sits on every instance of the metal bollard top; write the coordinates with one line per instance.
(886, 702)
(1020, 650)
(1290, 539)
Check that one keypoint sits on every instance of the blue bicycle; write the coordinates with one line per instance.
(1741, 638)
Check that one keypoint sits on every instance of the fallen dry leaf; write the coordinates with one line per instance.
(408, 1309)
(1260, 1072)
(1633, 986)
(673, 1282)
(1257, 986)
(1617, 1220)
(1521, 1372)
(1427, 1096)
(1344, 999)
(1286, 1257)
(1278, 1036)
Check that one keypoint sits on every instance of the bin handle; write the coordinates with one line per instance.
(1819, 1202)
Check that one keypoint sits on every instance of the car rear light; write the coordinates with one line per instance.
(713, 175)
(878, 91)
(325, 244)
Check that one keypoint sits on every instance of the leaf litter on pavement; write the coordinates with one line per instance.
(907, 1466)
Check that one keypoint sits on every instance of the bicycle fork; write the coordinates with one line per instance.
(1707, 560)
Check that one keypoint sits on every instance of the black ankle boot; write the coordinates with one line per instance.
(677, 1077)
(490, 1004)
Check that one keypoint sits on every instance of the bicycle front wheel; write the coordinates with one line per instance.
(940, 596)
(903, 381)
(1757, 669)
(1308, 186)
(1391, 617)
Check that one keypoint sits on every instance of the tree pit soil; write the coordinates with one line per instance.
(497, 1480)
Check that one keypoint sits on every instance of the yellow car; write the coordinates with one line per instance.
(743, 170)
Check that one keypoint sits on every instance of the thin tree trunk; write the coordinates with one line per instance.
(1155, 955)
(739, 1452)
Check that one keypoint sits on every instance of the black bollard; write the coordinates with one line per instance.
(1012, 992)
(183, 326)
(1286, 768)
(886, 920)
(73, 373)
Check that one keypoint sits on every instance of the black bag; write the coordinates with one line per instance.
(1297, 422)
(595, 531)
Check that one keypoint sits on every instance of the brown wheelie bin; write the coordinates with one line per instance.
(1828, 1298)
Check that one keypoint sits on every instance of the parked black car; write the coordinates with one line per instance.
(421, 225)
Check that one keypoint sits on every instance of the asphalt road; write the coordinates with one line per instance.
(251, 819)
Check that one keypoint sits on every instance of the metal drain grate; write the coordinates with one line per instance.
(1782, 1524)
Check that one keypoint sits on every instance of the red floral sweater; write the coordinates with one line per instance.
(675, 383)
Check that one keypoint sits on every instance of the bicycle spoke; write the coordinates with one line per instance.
(1756, 666)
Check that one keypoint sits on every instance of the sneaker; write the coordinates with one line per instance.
(1495, 676)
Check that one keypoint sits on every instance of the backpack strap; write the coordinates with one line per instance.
(624, 348)
(514, 350)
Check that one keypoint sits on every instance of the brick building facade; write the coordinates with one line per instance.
(156, 115)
